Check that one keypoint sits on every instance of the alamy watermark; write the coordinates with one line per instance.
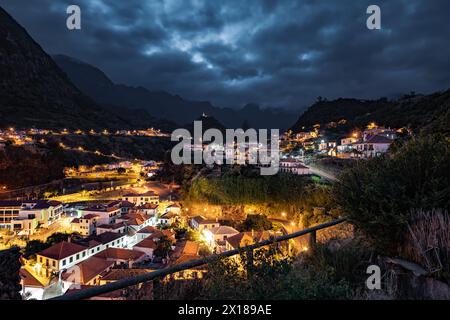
(73, 21)
(239, 147)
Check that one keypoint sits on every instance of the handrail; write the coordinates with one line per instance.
(124, 283)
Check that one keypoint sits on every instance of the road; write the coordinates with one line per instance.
(164, 191)
(322, 173)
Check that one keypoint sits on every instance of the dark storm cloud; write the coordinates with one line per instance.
(276, 53)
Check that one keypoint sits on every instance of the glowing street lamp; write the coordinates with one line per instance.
(283, 214)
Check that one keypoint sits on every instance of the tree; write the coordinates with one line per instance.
(163, 247)
(9, 274)
(57, 238)
(257, 222)
(380, 195)
(33, 247)
(192, 235)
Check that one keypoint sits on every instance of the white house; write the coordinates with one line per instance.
(146, 246)
(107, 213)
(143, 198)
(373, 147)
(218, 235)
(200, 223)
(86, 225)
(25, 216)
(293, 166)
(118, 227)
(168, 218)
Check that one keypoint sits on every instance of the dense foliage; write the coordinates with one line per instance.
(256, 222)
(321, 274)
(241, 190)
(379, 195)
(9, 274)
(411, 110)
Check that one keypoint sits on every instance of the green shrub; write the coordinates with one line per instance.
(379, 195)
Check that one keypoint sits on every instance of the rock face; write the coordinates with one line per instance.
(34, 91)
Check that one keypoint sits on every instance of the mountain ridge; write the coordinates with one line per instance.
(36, 92)
(411, 110)
(161, 104)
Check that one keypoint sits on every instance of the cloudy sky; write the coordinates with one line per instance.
(275, 53)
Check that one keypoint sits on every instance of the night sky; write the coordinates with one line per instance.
(275, 53)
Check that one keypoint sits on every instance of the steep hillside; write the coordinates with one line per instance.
(35, 92)
(415, 111)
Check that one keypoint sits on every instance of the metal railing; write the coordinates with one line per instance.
(131, 281)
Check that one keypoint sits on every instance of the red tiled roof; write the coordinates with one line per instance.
(126, 204)
(169, 233)
(146, 194)
(135, 219)
(90, 268)
(120, 254)
(203, 220)
(90, 216)
(187, 248)
(148, 229)
(239, 240)
(147, 243)
(223, 230)
(101, 208)
(169, 215)
(112, 226)
(186, 258)
(148, 206)
(29, 280)
(62, 250)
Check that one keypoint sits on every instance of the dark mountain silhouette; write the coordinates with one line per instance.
(35, 92)
(411, 110)
(208, 122)
(94, 83)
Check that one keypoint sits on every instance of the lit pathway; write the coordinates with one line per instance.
(322, 173)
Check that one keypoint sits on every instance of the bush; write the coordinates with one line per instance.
(379, 195)
(257, 222)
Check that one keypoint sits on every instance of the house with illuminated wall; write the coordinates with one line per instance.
(142, 198)
(107, 213)
(65, 254)
(293, 166)
(25, 216)
(217, 236)
(372, 147)
(85, 225)
(200, 223)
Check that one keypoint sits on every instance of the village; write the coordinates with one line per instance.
(117, 234)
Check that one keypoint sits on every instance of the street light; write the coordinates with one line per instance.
(283, 214)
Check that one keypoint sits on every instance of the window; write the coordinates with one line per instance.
(78, 256)
(54, 263)
(64, 262)
(71, 259)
